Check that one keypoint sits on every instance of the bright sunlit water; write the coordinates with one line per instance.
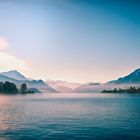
(70, 117)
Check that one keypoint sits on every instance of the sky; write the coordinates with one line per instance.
(71, 40)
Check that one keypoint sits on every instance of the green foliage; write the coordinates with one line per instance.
(23, 88)
(8, 87)
(130, 90)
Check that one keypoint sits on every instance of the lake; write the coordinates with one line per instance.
(70, 116)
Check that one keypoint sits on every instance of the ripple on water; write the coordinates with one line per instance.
(70, 116)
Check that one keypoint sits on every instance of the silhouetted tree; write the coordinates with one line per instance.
(23, 88)
(130, 90)
(8, 87)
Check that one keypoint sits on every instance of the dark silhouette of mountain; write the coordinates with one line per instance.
(38, 84)
(14, 74)
(132, 78)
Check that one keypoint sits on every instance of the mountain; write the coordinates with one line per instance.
(62, 86)
(5, 78)
(63, 89)
(69, 87)
(132, 78)
(88, 88)
(19, 79)
(14, 74)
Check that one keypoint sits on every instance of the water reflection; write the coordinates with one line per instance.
(69, 116)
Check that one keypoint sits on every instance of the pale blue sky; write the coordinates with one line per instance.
(74, 40)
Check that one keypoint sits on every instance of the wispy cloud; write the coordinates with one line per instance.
(8, 61)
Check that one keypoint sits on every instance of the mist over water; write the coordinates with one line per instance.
(70, 116)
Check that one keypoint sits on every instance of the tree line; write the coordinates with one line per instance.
(8, 87)
(120, 90)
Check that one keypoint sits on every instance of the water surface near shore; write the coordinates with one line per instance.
(70, 116)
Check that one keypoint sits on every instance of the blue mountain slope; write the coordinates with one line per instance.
(132, 78)
(39, 84)
(14, 74)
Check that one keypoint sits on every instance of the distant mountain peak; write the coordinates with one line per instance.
(14, 74)
(16, 77)
(132, 78)
(137, 71)
(13, 71)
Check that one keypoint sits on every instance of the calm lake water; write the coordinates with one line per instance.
(70, 117)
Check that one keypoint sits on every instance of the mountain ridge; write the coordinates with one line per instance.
(14, 74)
(19, 79)
(132, 78)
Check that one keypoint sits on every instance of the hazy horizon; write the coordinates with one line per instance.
(70, 40)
